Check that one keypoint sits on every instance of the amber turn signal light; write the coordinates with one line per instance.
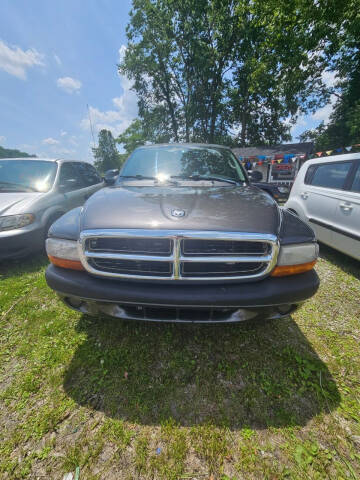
(65, 263)
(284, 270)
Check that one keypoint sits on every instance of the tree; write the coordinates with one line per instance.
(342, 54)
(13, 153)
(343, 128)
(106, 154)
(171, 57)
(212, 70)
(132, 137)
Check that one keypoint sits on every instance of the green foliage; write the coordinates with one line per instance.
(106, 154)
(132, 137)
(205, 69)
(211, 445)
(273, 400)
(13, 153)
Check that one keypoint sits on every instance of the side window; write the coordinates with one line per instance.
(309, 174)
(331, 175)
(355, 187)
(93, 176)
(88, 174)
(68, 177)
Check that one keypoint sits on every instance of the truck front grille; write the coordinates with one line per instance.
(223, 269)
(138, 246)
(134, 267)
(220, 247)
(178, 255)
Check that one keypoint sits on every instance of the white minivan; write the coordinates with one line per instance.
(326, 194)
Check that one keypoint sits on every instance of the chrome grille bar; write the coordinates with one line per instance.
(225, 259)
(128, 256)
(176, 257)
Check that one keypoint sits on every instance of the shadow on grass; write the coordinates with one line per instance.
(231, 375)
(21, 266)
(346, 263)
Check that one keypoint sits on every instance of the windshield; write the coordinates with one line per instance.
(26, 175)
(178, 161)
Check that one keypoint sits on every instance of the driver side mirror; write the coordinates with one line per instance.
(68, 185)
(111, 176)
(256, 176)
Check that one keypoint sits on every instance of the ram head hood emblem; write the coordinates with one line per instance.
(175, 212)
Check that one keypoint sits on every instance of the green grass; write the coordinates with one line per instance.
(127, 400)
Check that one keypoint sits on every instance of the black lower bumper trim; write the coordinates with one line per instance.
(268, 292)
(176, 314)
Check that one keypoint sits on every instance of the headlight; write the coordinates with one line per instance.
(63, 253)
(283, 189)
(295, 259)
(11, 222)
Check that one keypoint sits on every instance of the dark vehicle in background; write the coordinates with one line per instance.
(34, 192)
(182, 236)
(279, 192)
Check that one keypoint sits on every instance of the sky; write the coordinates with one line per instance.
(58, 63)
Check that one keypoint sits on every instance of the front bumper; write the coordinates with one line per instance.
(268, 298)
(20, 242)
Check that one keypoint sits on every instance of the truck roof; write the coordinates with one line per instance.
(204, 145)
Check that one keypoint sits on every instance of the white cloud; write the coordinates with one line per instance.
(27, 146)
(2, 139)
(68, 84)
(73, 140)
(50, 141)
(323, 114)
(63, 133)
(63, 151)
(118, 119)
(122, 51)
(16, 61)
(301, 123)
(57, 59)
(56, 152)
(329, 78)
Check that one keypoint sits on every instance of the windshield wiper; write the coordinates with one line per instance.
(206, 177)
(17, 185)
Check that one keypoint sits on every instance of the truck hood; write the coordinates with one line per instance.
(17, 202)
(224, 208)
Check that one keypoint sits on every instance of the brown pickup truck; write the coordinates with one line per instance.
(182, 235)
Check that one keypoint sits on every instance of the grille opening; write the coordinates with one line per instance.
(160, 313)
(195, 314)
(138, 246)
(177, 313)
(132, 267)
(201, 269)
(223, 247)
(135, 312)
